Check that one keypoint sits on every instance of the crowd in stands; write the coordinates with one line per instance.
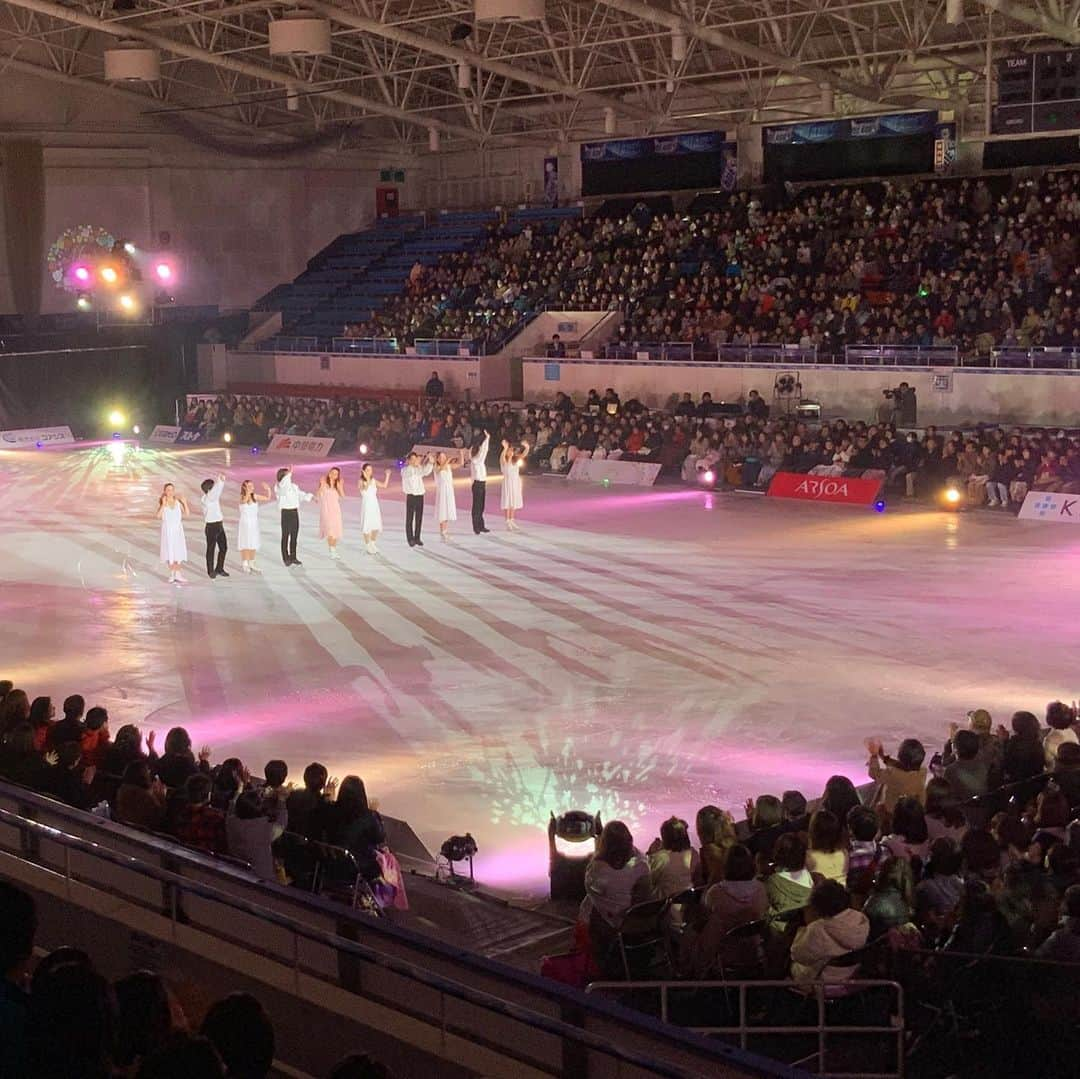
(742, 446)
(276, 830)
(60, 1018)
(967, 263)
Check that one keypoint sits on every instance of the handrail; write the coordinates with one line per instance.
(437, 982)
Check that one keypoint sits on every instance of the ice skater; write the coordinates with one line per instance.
(445, 505)
(370, 514)
(248, 538)
(511, 462)
(289, 497)
(478, 471)
(214, 526)
(412, 483)
(172, 508)
(330, 493)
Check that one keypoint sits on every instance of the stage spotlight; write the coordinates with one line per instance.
(129, 247)
(39, 444)
(227, 437)
(116, 418)
(254, 449)
(83, 303)
(708, 477)
(951, 498)
(116, 434)
(459, 848)
(81, 273)
(605, 482)
(127, 303)
(109, 275)
(163, 271)
(135, 429)
(879, 505)
(571, 843)
(363, 448)
(401, 462)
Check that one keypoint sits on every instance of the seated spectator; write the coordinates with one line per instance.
(14, 711)
(1059, 720)
(969, 776)
(827, 855)
(434, 388)
(839, 797)
(20, 762)
(96, 742)
(890, 904)
(178, 762)
(144, 1021)
(42, 717)
(674, 865)
(184, 1056)
(865, 852)
(990, 749)
(832, 929)
(274, 793)
(901, 777)
(556, 349)
(716, 836)
(938, 894)
(1066, 773)
(351, 823)
(1049, 821)
(943, 818)
(71, 727)
(788, 886)
(301, 804)
(199, 824)
(1023, 755)
(69, 779)
(765, 817)
(140, 801)
(616, 878)
(228, 779)
(909, 838)
(1063, 945)
(18, 916)
(250, 833)
(241, 1031)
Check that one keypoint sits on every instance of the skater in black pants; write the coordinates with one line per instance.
(289, 497)
(478, 468)
(412, 483)
(216, 543)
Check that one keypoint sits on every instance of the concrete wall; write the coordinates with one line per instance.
(1051, 397)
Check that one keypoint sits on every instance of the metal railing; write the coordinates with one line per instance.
(1041, 358)
(902, 355)
(35, 837)
(366, 346)
(444, 346)
(288, 343)
(823, 994)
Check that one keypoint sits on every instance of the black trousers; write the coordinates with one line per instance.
(290, 529)
(479, 498)
(215, 541)
(414, 517)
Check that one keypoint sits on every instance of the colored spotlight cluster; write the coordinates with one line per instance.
(112, 280)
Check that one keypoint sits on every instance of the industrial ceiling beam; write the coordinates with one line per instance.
(1036, 19)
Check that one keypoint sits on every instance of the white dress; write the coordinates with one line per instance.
(511, 486)
(173, 543)
(445, 506)
(370, 514)
(248, 539)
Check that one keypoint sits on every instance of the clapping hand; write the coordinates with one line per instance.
(873, 747)
(150, 740)
(204, 753)
(52, 758)
(749, 807)
(331, 786)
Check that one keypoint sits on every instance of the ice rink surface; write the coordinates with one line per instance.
(633, 652)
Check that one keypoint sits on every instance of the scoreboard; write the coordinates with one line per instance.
(1037, 91)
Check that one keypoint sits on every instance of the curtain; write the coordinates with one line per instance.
(23, 175)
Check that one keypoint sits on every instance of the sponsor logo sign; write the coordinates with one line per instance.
(1047, 506)
(188, 437)
(300, 446)
(841, 489)
(637, 473)
(164, 435)
(31, 436)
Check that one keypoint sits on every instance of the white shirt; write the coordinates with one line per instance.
(211, 503)
(478, 461)
(412, 478)
(290, 496)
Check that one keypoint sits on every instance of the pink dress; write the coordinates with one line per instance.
(329, 513)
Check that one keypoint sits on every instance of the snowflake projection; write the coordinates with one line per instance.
(80, 241)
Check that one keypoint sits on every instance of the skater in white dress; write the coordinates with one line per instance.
(248, 539)
(370, 514)
(511, 462)
(445, 506)
(172, 508)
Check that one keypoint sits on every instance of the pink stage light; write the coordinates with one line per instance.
(708, 476)
(81, 273)
(163, 271)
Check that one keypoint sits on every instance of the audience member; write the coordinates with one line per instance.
(831, 929)
(241, 1031)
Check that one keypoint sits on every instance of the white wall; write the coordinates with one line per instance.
(1015, 397)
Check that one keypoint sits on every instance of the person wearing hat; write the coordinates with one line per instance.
(990, 747)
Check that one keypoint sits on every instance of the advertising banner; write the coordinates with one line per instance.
(31, 436)
(689, 142)
(1046, 506)
(867, 127)
(853, 492)
(300, 446)
(164, 436)
(188, 438)
(635, 473)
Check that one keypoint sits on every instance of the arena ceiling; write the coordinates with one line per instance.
(400, 69)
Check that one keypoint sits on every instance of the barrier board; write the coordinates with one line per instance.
(163, 435)
(632, 473)
(1047, 506)
(300, 445)
(31, 436)
(838, 489)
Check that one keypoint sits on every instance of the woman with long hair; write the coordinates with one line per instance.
(329, 494)
(616, 878)
(171, 511)
(248, 538)
(14, 710)
(511, 462)
(350, 822)
(370, 514)
(42, 715)
(445, 506)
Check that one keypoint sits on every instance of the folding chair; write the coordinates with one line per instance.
(642, 929)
